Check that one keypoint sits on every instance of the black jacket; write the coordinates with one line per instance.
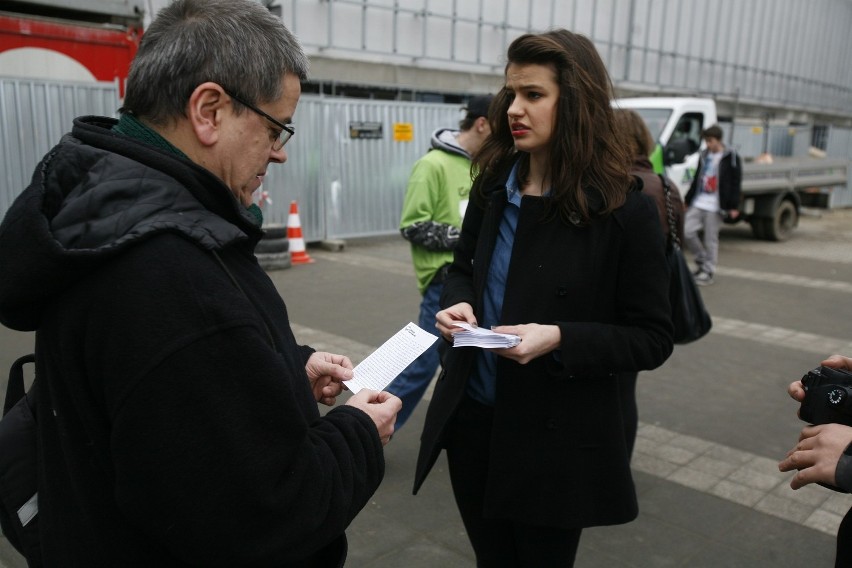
(559, 449)
(176, 422)
(730, 180)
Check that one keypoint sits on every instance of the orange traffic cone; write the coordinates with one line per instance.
(298, 254)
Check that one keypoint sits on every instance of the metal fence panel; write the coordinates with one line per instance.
(839, 145)
(348, 165)
(300, 178)
(349, 184)
(752, 139)
(346, 186)
(34, 114)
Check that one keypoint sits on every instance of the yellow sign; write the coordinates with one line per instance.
(403, 131)
(757, 130)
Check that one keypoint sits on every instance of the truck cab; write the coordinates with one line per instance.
(676, 124)
(771, 192)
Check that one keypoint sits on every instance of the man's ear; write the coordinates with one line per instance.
(206, 109)
(481, 123)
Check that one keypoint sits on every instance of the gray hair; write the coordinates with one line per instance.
(238, 44)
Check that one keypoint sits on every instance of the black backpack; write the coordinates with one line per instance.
(18, 461)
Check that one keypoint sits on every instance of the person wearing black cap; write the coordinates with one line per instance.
(432, 213)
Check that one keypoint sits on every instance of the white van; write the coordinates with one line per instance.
(676, 124)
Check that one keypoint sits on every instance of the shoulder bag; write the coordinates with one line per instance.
(18, 466)
(689, 316)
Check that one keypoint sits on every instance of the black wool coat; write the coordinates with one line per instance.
(559, 450)
(176, 422)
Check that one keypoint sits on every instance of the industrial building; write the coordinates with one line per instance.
(777, 68)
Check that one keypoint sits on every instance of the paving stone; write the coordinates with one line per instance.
(737, 493)
(824, 521)
(694, 479)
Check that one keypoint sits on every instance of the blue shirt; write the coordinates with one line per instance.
(482, 383)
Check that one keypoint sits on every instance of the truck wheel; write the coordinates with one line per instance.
(757, 227)
(781, 226)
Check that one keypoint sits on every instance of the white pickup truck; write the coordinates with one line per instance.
(771, 193)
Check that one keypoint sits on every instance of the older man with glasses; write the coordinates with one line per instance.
(177, 414)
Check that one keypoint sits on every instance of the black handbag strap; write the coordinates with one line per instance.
(15, 390)
(674, 240)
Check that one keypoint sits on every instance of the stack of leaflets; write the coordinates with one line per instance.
(481, 337)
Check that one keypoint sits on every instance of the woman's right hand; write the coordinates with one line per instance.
(445, 318)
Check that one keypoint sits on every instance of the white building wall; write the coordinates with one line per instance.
(775, 53)
(758, 55)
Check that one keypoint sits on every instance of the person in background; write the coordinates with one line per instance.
(823, 454)
(640, 144)
(558, 248)
(713, 195)
(177, 415)
(432, 213)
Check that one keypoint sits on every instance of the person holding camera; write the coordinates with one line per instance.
(824, 455)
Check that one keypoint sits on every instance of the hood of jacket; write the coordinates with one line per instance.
(94, 194)
(447, 139)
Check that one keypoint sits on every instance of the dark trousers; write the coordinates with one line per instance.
(498, 543)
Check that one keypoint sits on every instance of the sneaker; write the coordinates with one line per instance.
(703, 278)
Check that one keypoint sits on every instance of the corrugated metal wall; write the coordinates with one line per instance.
(346, 187)
(839, 145)
(349, 187)
(751, 139)
(779, 53)
(34, 114)
(348, 164)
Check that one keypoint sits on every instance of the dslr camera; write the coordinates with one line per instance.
(828, 396)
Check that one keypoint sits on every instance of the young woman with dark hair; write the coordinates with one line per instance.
(558, 248)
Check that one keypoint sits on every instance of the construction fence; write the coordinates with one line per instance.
(348, 164)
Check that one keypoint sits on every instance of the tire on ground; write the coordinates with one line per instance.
(266, 245)
(274, 260)
(274, 231)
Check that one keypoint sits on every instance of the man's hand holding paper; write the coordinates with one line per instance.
(325, 372)
(381, 406)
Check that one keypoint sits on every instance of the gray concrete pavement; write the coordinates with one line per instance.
(714, 419)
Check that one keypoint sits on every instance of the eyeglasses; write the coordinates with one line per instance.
(286, 133)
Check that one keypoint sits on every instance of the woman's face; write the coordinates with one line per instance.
(532, 112)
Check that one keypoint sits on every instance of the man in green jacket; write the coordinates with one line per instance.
(432, 214)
